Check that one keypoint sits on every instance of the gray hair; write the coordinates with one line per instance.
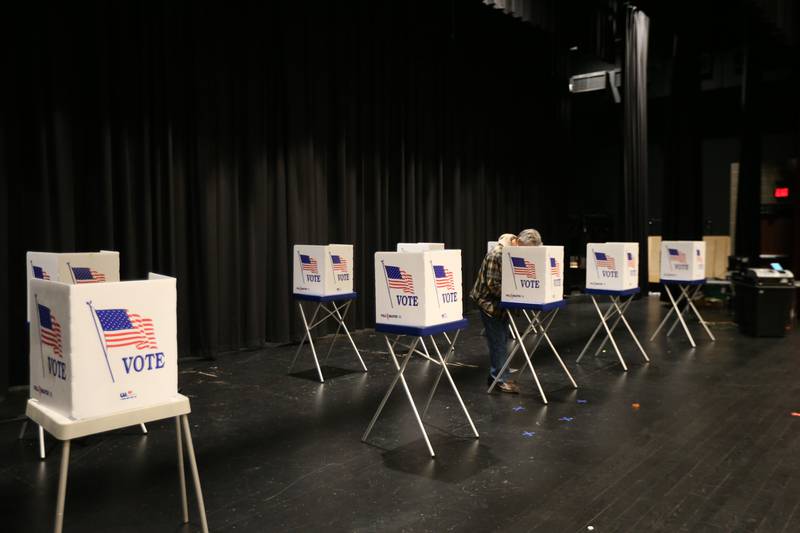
(529, 237)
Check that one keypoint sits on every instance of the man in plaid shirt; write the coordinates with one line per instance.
(486, 293)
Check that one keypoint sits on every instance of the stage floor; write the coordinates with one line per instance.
(712, 445)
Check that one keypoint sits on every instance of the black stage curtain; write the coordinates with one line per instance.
(682, 200)
(748, 199)
(202, 140)
(634, 86)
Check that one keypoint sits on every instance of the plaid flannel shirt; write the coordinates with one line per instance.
(488, 285)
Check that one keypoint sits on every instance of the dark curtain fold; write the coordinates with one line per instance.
(682, 189)
(203, 139)
(635, 202)
(748, 198)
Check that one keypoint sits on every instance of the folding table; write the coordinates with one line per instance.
(66, 429)
(618, 307)
(686, 293)
(418, 333)
(337, 312)
(539, 318)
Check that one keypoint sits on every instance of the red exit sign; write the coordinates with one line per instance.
(781, 192)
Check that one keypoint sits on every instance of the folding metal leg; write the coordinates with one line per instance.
(594, 334)
(424, 355)
(62, 486)
(181, 473)
(608, 333)
(444, 360)
(400, 377)
(40, 436)
(544, 329)
(143, 428)
(680, 314)
(310, 342)
(700, 318)
(527, 356)
(619, 313)
(198, 491)
(684, 295)
(338, 329)
(672, 309)
(41, 442)
(307, 333)
(340, 318)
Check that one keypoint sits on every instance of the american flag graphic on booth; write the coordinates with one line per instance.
(443, 278)
(40, 273)
(87, 275)
(399, 279)
(50, 330)
(603, 260)
(523, 267)
(339, 263)
(309, 264)
(554, 270)
(121, 328)
(676, 256)
(631, 260)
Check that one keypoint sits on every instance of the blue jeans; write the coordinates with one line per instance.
(497, 339)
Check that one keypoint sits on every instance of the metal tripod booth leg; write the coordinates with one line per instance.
(334, 308)
(620, 301)
(417, 334)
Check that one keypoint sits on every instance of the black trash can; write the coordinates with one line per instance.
(764, 303)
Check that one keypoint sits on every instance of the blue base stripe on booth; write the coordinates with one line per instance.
(683, 282)
(626, 292)
(329, 298)
(534, 307)
(421, 332)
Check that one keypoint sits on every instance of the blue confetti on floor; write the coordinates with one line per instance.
(566, 419)
(518, 408)
(583, 401)
(528, 434)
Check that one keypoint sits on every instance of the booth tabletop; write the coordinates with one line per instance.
(329, 298)
(64, 428)
(626, 292)
(421, 331)
(534, 307)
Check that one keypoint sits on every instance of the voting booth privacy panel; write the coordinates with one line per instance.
(533, 274)
(98, 349)
(78, 268)
(418, 289)
(416, 247)
(683, 260)
(323, 270)
(612, 266)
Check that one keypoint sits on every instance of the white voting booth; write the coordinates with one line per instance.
(323, 274)
(683, 265)
(533, 283)
(612, 269)
(419, 294)
(78, 268)
(104, 356)
(416, 247)
(98, 349)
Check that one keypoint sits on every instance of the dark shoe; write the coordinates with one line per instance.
(510, 388)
